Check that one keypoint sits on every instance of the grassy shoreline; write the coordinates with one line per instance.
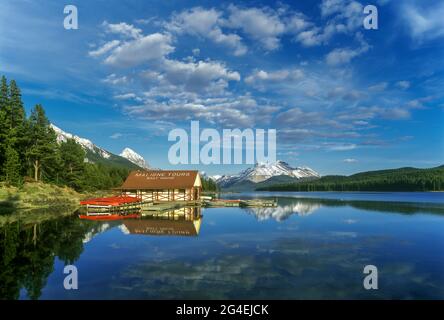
(38, 197)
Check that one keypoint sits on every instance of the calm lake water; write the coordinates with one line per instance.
(312, 246)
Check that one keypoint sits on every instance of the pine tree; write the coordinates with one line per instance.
(43, 150)
(72, 159)
(12, 167)
(17, 111)
(15, 122)
(4, 127)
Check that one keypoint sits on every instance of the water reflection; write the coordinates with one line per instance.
(307, 206)
(282, 212)
(28, 252)
(181, 222)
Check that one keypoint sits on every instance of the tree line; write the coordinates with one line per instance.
(29, 150)
(402, 179)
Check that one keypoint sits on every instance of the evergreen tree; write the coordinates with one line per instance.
(16, 115)
(72, 160)
(4, 128)
(43, 150)
(12, 167)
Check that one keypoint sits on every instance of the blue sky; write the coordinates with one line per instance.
(343, 99)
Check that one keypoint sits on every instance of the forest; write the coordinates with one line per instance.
(402, 179)
(29, 151)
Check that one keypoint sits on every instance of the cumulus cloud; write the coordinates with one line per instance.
(340, 16)
(146, 48)
(261, 76)
(104, 48)
(424, 24)
(261, 24)
(205, 23)
(198, 76)
(122, 28)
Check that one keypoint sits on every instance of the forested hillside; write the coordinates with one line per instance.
(29, 150)
(402, 179)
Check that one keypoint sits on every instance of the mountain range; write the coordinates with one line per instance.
(260, 175)
(264, 174)
(128, 158)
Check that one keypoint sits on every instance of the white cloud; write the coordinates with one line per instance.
(329, 7)
(116, 135)
(261, 76)
(198, 76)
(238, 111)
(205, 23)
(341, 56)
(261, 24)
(350, 160)
(424, 23)
(125, 96)
(124, 29)
(340, 146)
(140, 50)
(403, 84)
(105, 48)
(115, 79)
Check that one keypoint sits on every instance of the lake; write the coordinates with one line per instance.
(312, 246)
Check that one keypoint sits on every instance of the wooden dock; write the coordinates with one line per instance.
(116, 206)
(257, 203)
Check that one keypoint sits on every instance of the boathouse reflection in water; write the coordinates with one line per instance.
(180, 222)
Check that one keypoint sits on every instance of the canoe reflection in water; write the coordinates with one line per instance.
(180, 222)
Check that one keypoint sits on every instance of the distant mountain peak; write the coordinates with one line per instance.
(134, 157)
(263, 171)
(96, 154)
(86, 144)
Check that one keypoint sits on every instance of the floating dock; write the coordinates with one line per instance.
(127, 205)
(258, 203)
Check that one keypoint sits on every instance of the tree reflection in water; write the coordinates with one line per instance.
(28, 252)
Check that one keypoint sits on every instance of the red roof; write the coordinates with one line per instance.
(111, 201)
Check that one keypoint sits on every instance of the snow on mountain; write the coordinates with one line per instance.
(134, 157)
(62, 136)
(216, 177)
(283, 212)
(264, 171)
(90, 147)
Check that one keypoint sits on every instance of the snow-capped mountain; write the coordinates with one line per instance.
(264, 171)
(134, 157)
(97, 154)
(62, 136)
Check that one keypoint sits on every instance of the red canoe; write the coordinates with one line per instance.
(107, 217)
(110, 201)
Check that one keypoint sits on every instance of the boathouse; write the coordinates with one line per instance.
(163, 185)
